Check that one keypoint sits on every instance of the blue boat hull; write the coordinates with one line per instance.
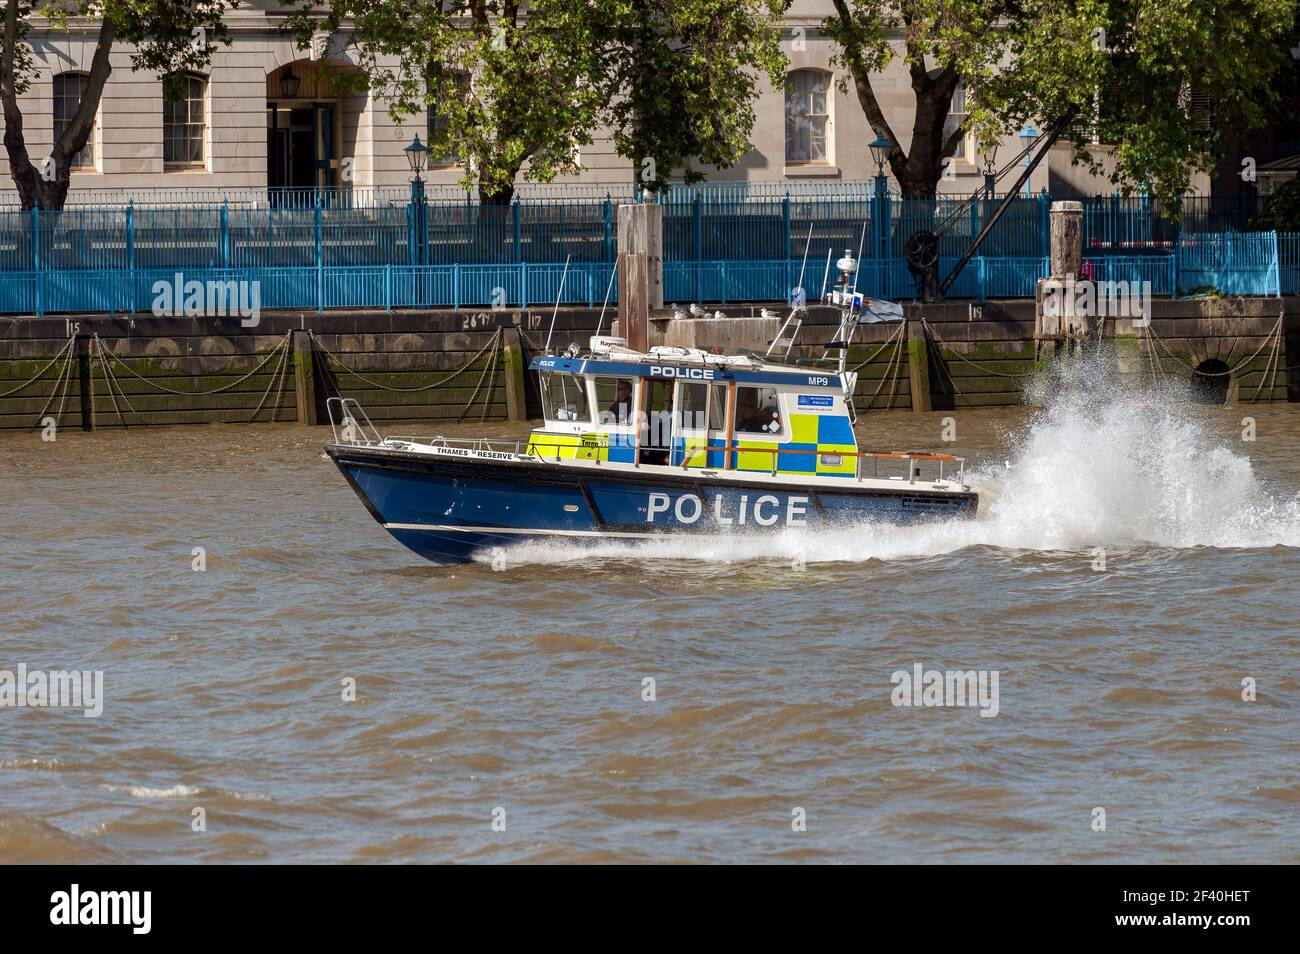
(453, 510)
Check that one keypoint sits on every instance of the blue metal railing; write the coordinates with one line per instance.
(723, 242)
(1288, 251)
(343, 286)
(751, 221)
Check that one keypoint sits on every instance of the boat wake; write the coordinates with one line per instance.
(1099, 465)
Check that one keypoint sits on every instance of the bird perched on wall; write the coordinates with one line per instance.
(697, 311)
(719, 315)
(768, 313)
(678, 313)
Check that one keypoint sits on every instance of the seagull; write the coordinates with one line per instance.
(768, 313)
(697, 311)
(719, 315)
(679, 314)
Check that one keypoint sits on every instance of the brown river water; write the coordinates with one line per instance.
(517, 694)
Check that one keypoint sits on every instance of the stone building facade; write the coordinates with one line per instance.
(260, 116)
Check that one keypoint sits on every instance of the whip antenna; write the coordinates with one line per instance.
(558, 296)
(608, 289)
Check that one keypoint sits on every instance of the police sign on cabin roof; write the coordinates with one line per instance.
(693, 372)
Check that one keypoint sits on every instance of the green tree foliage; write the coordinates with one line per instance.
(1163, 82)
(1281, 210)
(167, 36)
(524, 86)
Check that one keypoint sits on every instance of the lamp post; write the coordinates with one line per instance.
(990, 188)
(1028, 136)
(417, 154)
(880, 148)
(991, 171)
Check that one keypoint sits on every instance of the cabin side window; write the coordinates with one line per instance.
(695, 412)
(564, 397)
(614, 404)
(757, 410)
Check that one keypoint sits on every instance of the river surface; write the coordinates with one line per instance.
(1132, 563)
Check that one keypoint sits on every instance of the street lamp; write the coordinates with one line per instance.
(1028, 136)
(417, 154)
(880, 211)
(991, 170)
(880, 150)
(289, 84)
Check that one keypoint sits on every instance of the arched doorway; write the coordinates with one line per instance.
(302, 130)
(1210, 382)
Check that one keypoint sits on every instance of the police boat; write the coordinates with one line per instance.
(635, 445)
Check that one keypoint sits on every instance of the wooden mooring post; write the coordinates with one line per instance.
(1059, 328)
(918, 365)
(304, 378)
(640, 270)
(85, 346)
(513, 352)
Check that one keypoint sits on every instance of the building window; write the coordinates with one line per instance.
(184, 123)
(438, 125)
(69, 88)
(957, 114)
(807, 116)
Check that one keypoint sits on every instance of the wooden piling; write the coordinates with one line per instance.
(304, 378)
(640, 270)
(1065, 248)
(633, 300)
(516, 404)
(85, 386)
(918, 366)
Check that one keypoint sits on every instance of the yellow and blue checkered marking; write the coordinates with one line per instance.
(826, 440)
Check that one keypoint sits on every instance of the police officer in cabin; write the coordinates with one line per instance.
(755, 419)
(661, 426)
(620, 412)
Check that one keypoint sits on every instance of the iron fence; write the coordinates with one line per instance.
(723, 242)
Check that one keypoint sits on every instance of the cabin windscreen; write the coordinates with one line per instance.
(564, 397)
(757, 410)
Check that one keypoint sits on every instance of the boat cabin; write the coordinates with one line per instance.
(683, 407)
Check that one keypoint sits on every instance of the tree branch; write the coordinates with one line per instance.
(74, 137)
(862, 79)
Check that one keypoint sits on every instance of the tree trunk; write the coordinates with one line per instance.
(498, 196)
(47, 187)
(918, 170)
(918, 173)
(495, 235)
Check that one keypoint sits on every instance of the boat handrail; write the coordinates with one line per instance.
(896, 455)
(875, 456)
(794, 361)
(689, 451)
(536, 449)
(347, 429)
(470, 443)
